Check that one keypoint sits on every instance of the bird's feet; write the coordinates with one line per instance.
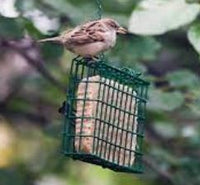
(91, 59)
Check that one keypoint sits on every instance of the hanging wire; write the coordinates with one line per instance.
(100, 9)
(99, 16)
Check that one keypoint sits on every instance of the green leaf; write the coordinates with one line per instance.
(64, 7)
(194, 104)
(8, 9)
(183, 78)
(166, 129)
(51, 52)
(31, 29)
(135, 48)
(193, 1)
(155, 17)
(164, 155)
(194, 36)
(164, 101)
(39, 16)
(10, 28)
(23, 5)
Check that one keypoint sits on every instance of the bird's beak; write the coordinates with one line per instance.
(122, 30)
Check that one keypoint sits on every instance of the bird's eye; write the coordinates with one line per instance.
(114, 25)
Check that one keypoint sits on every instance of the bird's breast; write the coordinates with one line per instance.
(91, 49)
(110, 39)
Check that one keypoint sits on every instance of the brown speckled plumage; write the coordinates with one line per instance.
(91, 38)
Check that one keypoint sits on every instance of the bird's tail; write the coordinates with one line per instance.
(53, 39)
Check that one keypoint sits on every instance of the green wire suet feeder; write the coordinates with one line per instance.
(105, 116)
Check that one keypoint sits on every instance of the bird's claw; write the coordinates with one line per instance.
(91, 60)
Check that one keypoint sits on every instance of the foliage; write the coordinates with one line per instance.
(164, 16)
(32, 77)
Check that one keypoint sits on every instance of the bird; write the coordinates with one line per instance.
(90, 39)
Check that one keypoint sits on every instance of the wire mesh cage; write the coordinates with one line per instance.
(105, 116)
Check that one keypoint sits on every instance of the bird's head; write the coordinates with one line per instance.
(114, 25)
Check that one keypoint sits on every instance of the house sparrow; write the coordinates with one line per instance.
(91, 38)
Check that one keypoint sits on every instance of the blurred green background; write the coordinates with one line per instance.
(33, 79)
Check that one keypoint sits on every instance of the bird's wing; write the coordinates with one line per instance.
(88, 33)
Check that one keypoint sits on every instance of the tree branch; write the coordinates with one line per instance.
(25, 48)
(164, 175)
